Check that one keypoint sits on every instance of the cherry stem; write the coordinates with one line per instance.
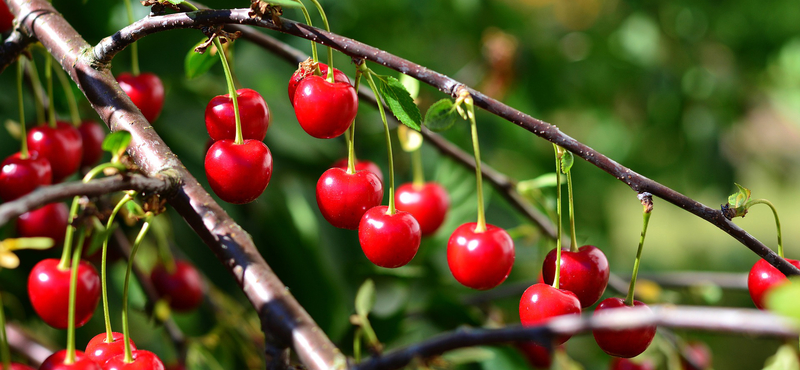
(48, 76)
(481, 226)
(162, 243)
(314, 55)
(357, 345)
(416, 165)
(558, 215)
(573, 241)
(231, 91)
(37, 91)
(23, 153)
(777, 220)
(73, 285)
(134, 47)
(103, 262)
(330, 50)
(632, 286)
(368, 72)
(125, 330)
(4, 351)
(351, 138)
(71, 102)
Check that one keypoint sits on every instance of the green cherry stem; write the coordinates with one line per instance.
(416, 165)
(573, 239)
(558, 216)
(23, 153)
(162, 243)
(73, 283)
(134, 47)
(73, 105)
(314, 55)
(48, 76)
(231, 91)
(351, 137)
(481, 226)
(125, 330)
(327, 28)
(777, 220)
(37, 91)
(103, 263)
(4, 351)
(368, 72)
(647, 203)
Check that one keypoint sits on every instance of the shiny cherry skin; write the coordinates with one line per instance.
(56, 362)
(360, 165)
(6, 18)
(146, 92)
(142, 360)
(428, 203)
(49, 221)
(700, 355)
(325, 110)
(762, 278)
(299, 75)
(238, 174)
(92, 135)
(623, 343)
(480, 260)
(253, 112)
(389, 240)
(16, 366)
(542, 302)
(538, 356)
(184, 288)
(100, 351)
(21, 176)
(584, 272)
(625, 364)
(343, 198)
(61, 146)
(48, 289)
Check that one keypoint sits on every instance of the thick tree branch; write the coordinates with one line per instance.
(722, 320)
(29, 347)
(285, 322)
(109, 46)
(158, 184)
(12, 47)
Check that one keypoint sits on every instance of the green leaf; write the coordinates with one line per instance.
(784, 359)
(14, 129)
(175, 2)
(400, 102)
(783, 299)
(567, 160)
(411, 84)
(117, 142)
(285, 3)
(38, 243)
(440, 116)
(196, 64)
(365, 298)
(739, 198)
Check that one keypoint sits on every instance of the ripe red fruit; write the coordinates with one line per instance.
(61, 146)
(21, 176)
(238, 173)
(300, 74)
(538, 356)
(92, 135)
(360, 165)
(253, 112)
(48, 289)
(584, 272)
(625, 364)
(16, 366)
(389, 240)
(184, 288)
(480, 260)
(146, 92)
(428, 203)
(700, 355)
(142, 360)
(7, 19)
(325, 110)
(763, 277)
(99, 351)
(56, 362)
(49, 221)
(343, 198)
(627, 342)
(542, 302)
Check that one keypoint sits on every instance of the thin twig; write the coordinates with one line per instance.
(12, 47)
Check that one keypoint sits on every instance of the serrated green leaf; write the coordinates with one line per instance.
(117, 142)
(196, 64)
(740, 198)
(365, 298)
(784, 359)
(440, 116)
(400, 102)
(567, 160)
(411, 84)
(783, 299)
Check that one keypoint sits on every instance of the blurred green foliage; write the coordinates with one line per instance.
(693, 94)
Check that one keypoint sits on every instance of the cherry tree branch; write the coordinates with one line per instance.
(12, 47)
(26, 345)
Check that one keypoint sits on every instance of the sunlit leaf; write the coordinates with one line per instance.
(784, 359)
(196, 64)
(400, 102)
(409, 139)
(411, 84)
(567, 160)
(14, 129)
(783, 299)
(117, 142)
(365, 298)
(441, 115)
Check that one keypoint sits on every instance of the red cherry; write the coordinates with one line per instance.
(61, 146)
(625, 364)
(699, 353)
(16, 366)
(238, 173)
(184, 288)
(480, 260)
(622, 343)
(428, 203)
(763, 277)
(584, 272)
(99, 351)
(253, 112)
(388, 240)
(538, 356)
(325, 110)
(542, 302)
(360, 165)
(343, 198)
(49, 221)
(146, 92)
(56, 362)
(142, 360)
(92, 135)
(48, 289)
(299, 75)
(21, 176)
(7, 19)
